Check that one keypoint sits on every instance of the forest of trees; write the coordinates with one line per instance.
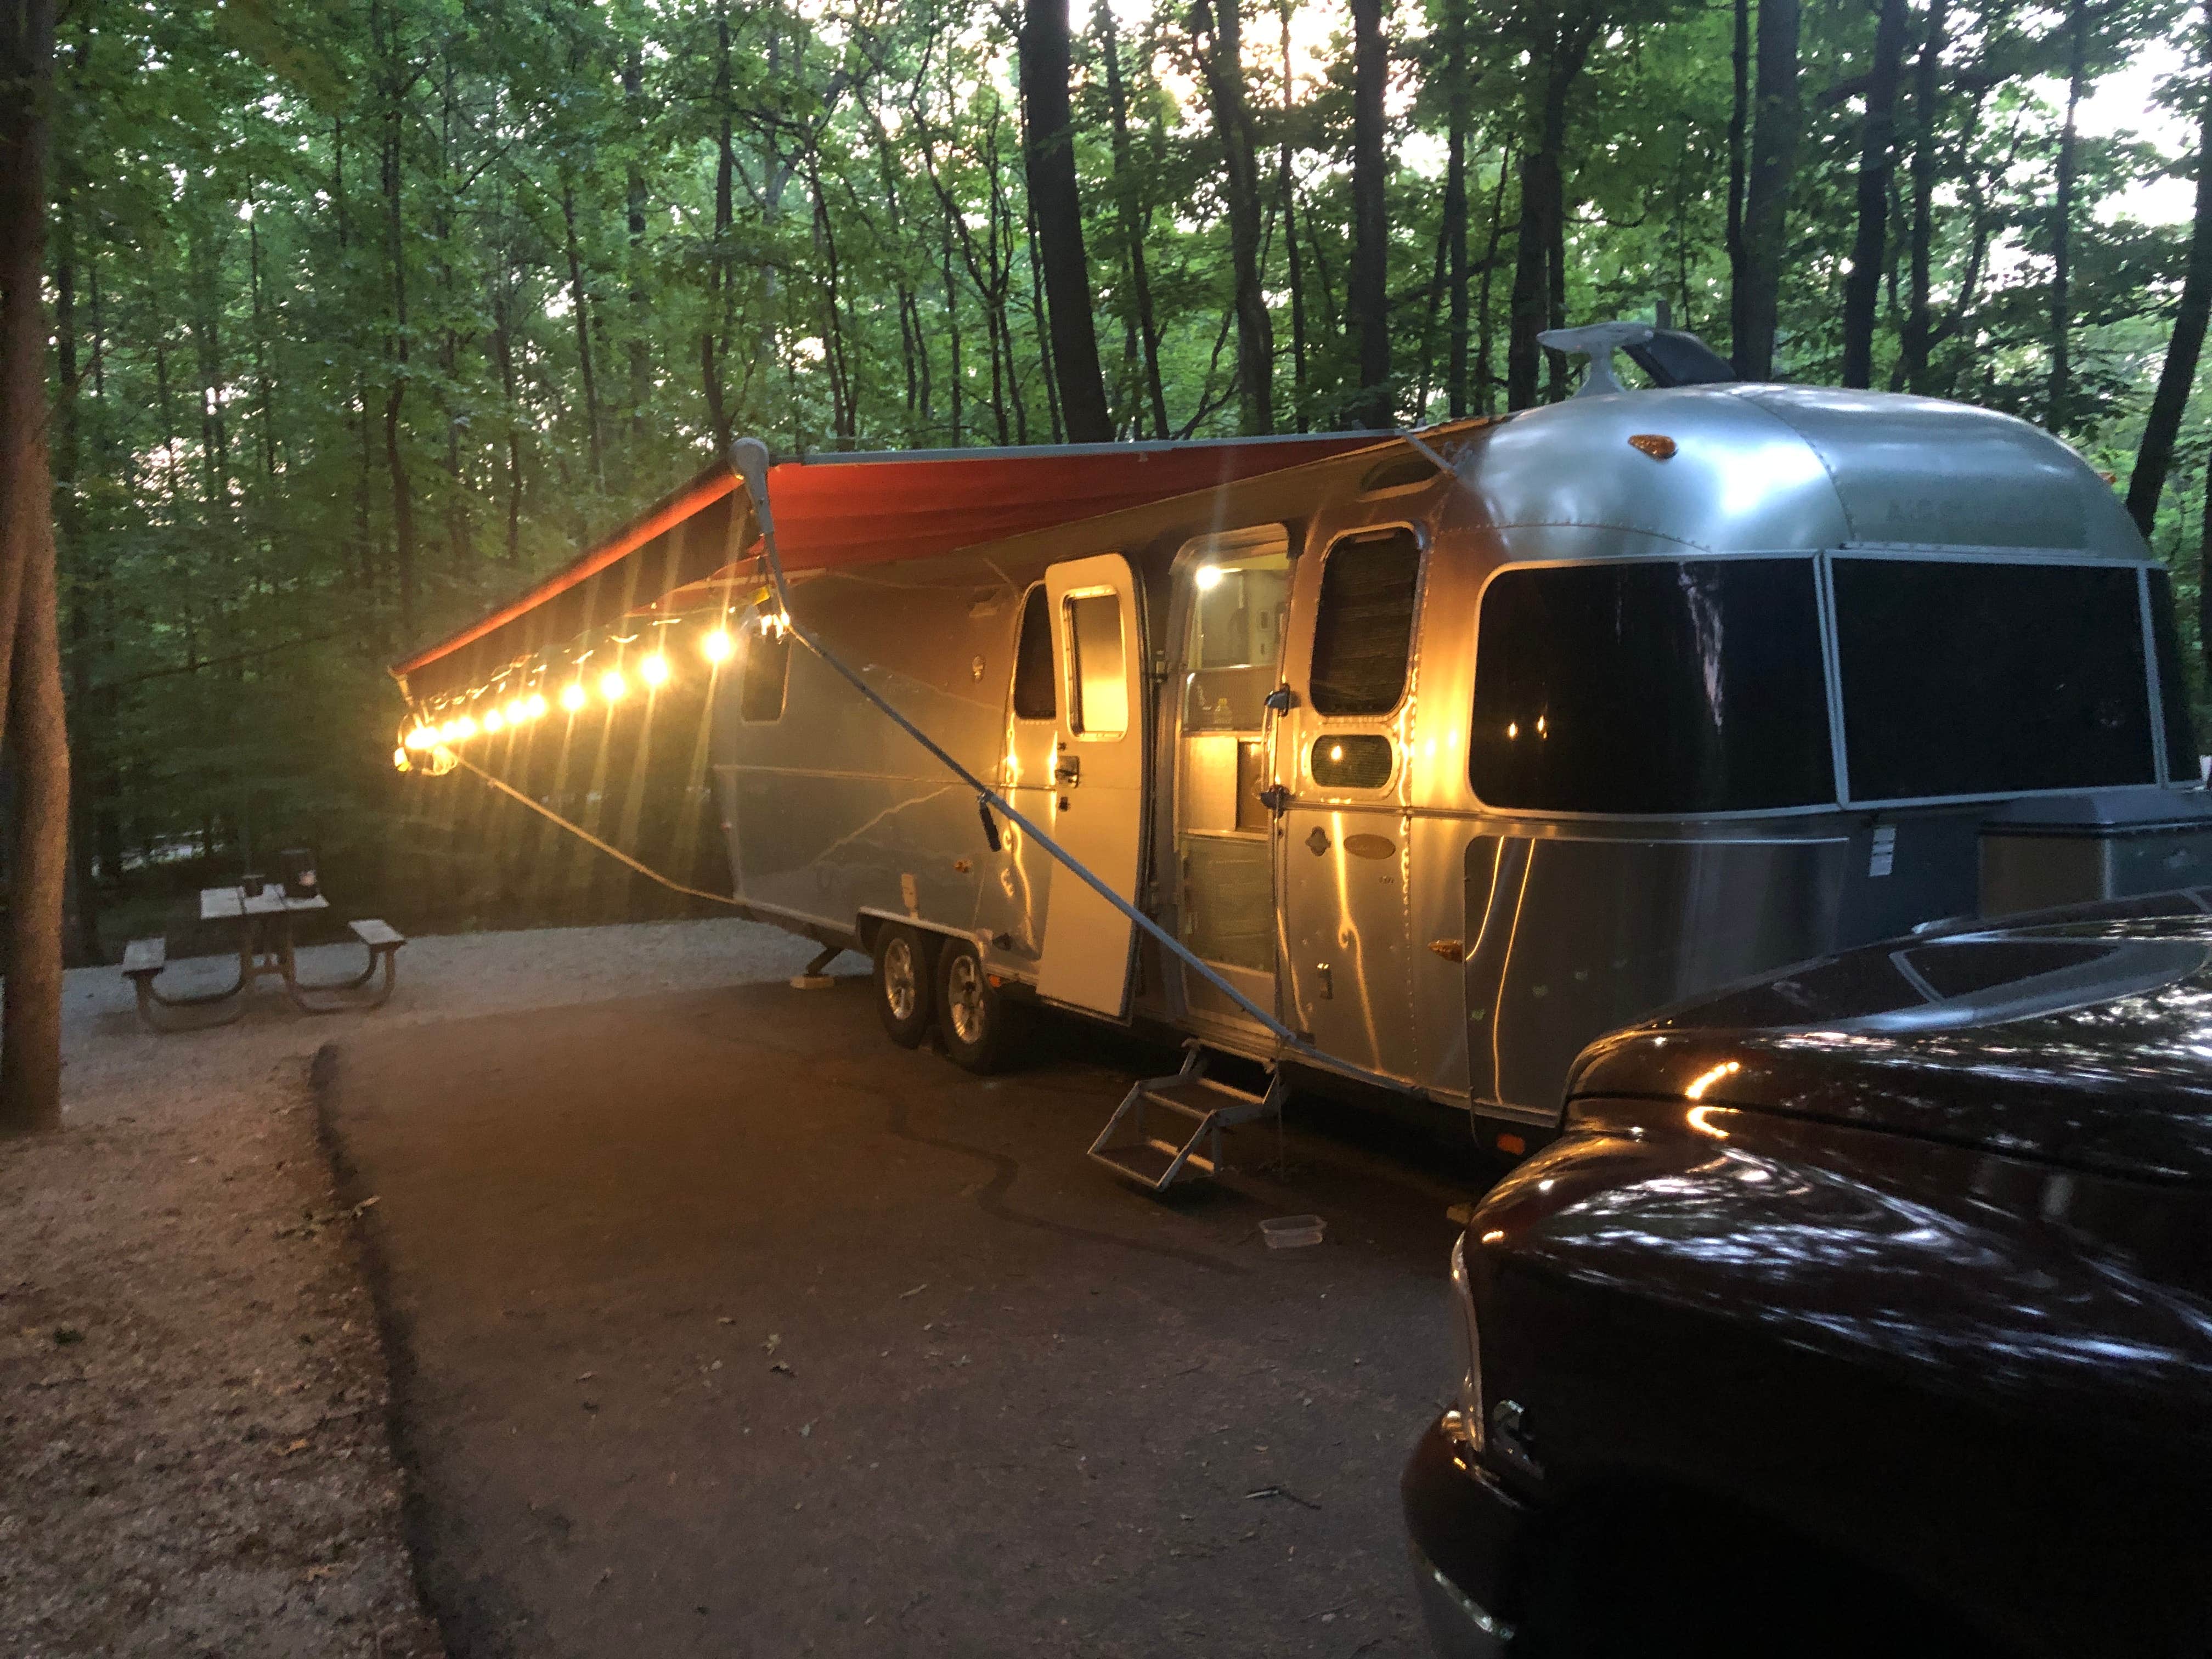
(365, 312)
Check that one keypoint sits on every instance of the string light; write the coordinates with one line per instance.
(653, 671)
(716, 644)
(493, 720)
(422, 737)
(463, 728)
(536, 707)
(572, 695)
(517, 712)
(612, 685)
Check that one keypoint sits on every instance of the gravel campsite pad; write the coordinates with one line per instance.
(194, 1423)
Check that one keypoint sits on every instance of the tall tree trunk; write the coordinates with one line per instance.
(1554, 67)
(1132, 218)
(1877, 159)
(83, 910)
(1371, 215)
(2154, 455)
(718, 267)
(581, 303)
(1222, 63)
(640, 321)
(1739, 131)
(30, 1003)
(1457, 98)
(1777, 125)
(1056, 204)
(1486, 370)
(1916, 338)
(383, 35)
(1294, 260)
(2058, 404)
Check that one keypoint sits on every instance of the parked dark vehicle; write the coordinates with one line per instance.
(1864, 1307)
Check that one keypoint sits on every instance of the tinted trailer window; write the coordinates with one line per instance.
(1971, 677)
(1676, 686)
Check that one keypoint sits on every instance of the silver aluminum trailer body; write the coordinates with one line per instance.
(1618, 709)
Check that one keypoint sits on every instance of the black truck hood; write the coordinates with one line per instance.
(2080, 1036)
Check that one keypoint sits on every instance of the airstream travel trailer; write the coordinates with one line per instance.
(1419, 762)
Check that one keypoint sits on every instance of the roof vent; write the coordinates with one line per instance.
(1668, 355)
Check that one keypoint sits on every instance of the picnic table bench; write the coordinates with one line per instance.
(264, 947)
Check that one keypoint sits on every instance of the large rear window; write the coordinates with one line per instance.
(1980, 679)
(1687, 685)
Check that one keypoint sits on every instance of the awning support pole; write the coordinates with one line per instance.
(750, 458)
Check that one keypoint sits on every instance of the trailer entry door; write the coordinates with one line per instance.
(1098, 772)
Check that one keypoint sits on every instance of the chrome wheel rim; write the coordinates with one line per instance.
(901, 990)
(964, 999)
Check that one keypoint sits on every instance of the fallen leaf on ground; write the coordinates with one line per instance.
(296, 1446)
(773, 1343)
(780, 1366)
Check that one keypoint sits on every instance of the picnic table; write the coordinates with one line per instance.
(262, 925)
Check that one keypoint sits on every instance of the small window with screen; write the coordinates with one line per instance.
(1035, 698)
(1351, 760)
(767, 672)
(1364, 623)
(1097, 665)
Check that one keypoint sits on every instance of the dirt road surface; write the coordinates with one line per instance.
(721, 1326)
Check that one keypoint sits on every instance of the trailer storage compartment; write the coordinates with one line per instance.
(2062, 849)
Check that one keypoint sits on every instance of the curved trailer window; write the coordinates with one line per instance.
(1976, 677)
(1675, 686)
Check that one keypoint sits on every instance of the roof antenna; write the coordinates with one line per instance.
(1597, 342)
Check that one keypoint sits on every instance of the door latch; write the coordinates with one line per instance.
(1282, 700)
(1275, 798)
(1068, 770)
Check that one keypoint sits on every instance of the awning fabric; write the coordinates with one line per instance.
(840, 510)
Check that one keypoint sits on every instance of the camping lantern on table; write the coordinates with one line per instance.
(295, 870)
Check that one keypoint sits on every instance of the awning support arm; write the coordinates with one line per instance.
(750, 458)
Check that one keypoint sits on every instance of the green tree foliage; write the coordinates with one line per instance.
(370, 311)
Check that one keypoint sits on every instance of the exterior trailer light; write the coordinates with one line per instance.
(653, 671)
(612, 685)
(572, 695)
(1208, 577)
(716, 645)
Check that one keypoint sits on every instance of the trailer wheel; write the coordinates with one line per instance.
(904, 985)
(982, 1027)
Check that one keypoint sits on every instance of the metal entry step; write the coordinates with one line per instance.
(1169, 1128)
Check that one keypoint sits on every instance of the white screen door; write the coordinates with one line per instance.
(1099, 770)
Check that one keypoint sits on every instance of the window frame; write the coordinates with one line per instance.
(1069, 715)
(1831, 675)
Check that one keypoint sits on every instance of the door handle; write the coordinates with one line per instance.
(1067, 771)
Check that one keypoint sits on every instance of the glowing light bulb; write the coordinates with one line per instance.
(422, 737)
(463, 728)
(399, 758)
(716, 644)
(535, 708)
(493, 720)
(517, 712)
(612, 685)
(572, 697)
(1336, 752)
(653, 671)
(1208, 577)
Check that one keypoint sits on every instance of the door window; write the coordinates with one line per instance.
(768, 672)
(1235, 641)
(1364, 623)
(1097, 665)
(1035, 696)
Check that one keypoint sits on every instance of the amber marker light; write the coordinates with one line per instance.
(612, 685)
(716, 645)
(572, 697)
(653, 671)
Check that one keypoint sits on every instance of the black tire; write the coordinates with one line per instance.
(906, 985)
(982, 1027)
